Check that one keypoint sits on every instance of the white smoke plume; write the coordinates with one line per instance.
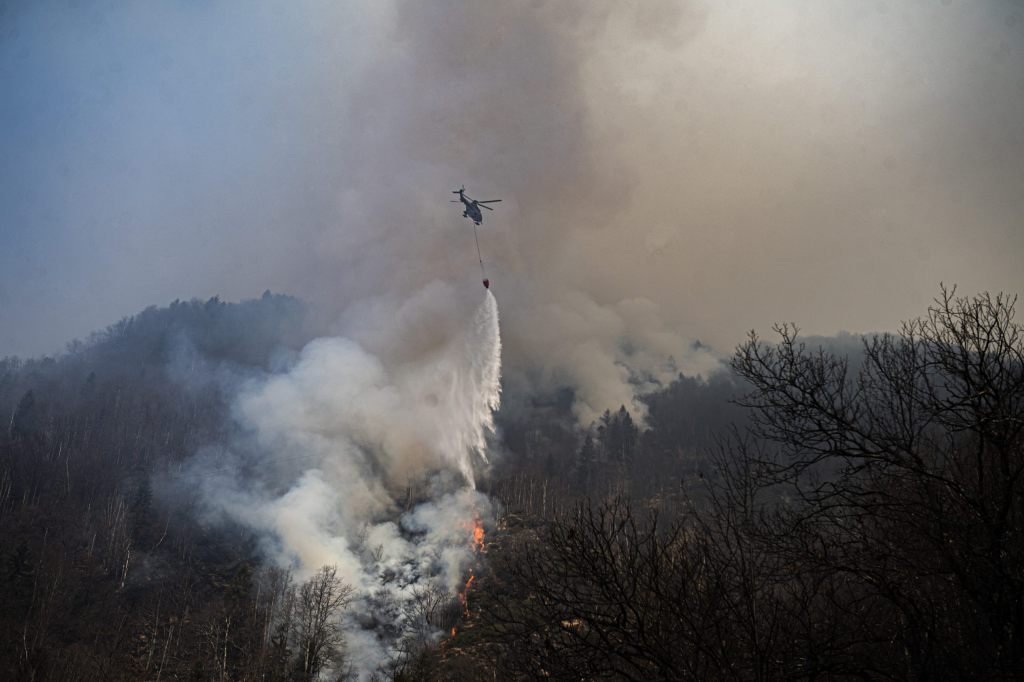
(364, 457)
(610, 355)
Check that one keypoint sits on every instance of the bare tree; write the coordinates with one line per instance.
(869, 525)
(604, 594)
(430, 614)
(905, 477)
(320, 602)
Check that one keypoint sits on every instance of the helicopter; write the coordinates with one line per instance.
(472, 210)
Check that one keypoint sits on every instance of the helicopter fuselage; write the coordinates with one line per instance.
(472, 211)
(473, 206)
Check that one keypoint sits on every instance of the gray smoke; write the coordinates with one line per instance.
(722, 167)
(333, 446)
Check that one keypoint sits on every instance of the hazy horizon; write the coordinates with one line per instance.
(670, 171)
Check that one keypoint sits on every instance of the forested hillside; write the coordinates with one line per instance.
(802, 515)
(868, 524)
(101, 580)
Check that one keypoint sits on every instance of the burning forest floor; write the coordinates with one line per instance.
(474, 648)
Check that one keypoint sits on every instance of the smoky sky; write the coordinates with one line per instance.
(669, 170)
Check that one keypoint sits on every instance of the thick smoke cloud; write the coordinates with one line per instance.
(722, 167)
(330, 446)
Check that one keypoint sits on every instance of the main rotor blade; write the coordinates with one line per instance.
(489, 201)
(487, 207)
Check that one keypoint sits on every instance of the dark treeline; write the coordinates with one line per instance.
(98, 580)
(662, 457)
(806, 514)
(867, 524)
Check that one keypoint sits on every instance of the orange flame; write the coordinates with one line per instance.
(477, 543)
(477, 530)
(464, 595)
(478, 536)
